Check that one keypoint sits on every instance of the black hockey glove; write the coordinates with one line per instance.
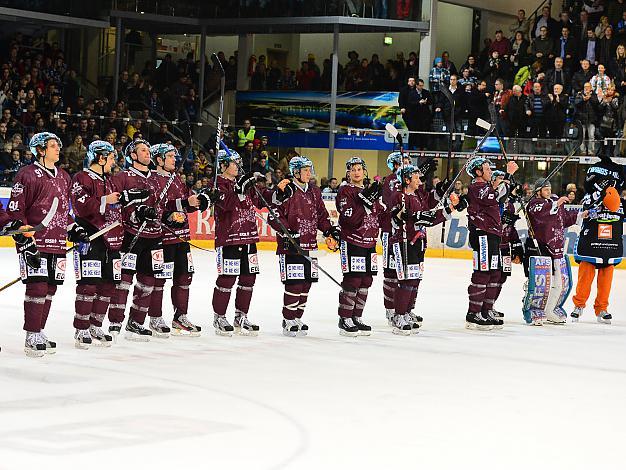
(398, 217)
(517, 193)
(26, 246)
(428, 166)
(208, 198)
(78, 235)
(370, 194)
(509, 218)
(287, 243)
(442, 187)
(517, 250)
(425, 218)
(244, 183)
(145, 213)
(333, 232)
(462, 205)
(174, 219)
(281, 196)
(133, 196)
(12, 226)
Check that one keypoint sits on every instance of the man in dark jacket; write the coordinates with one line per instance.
(582, 76)
(586, 112)
(558, 75)
(515, 110)
(557, 111)
(567, 47)
(536, 108)
(414, 102)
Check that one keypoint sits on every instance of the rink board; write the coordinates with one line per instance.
(456, 233)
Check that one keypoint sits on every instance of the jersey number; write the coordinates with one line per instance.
(13, 206)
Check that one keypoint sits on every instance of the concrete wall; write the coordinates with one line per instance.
(454, 31)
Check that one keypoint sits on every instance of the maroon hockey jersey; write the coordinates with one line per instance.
(391, 185)
(235, 216)
(34, 189)
(509, 232)
(177, 193)
(305, 214)
(133, 178)
(359, 225)
(483, 211)
(88, 194)
(549, 222)
(4, 217)
(415, 202)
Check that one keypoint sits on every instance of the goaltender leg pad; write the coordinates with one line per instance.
(563, 269)
(538, 289)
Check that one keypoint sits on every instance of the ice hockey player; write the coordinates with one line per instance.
(96, 204)
(599, 245)
(511, 248)
(142, 249)
(485, 232)
(302, 213)
(236, 236)
(42, 257)
(547, 261)
(410, 215)
(177, 259)
(359, 210)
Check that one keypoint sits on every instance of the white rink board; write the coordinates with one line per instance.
(522, 398)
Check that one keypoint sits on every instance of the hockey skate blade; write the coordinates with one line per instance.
(474, 326)
(79, 345)
(223, 333)
(348, 334)
(603, 322)
(364, 333)
(415, 331)
(574, 319)
(136, 338)
(34, 352)
(398, 331)
(50, 351)
(185, 333)
(244, 332)
(102, 344)
(160, 335)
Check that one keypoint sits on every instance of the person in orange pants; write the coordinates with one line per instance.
(599, 247)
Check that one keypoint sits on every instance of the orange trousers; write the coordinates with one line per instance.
(586, 273)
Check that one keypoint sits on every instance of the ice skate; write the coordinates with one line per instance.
(136, 332)
(115, 329)
(303, 328)
(496, 322)
(82, 339)
(183, 327)
(222, 327)
(412, 320)
(495, 313)
(159, 328)
(554, 319)
(576, 314)
(99, 337)
(347, 327)
(400, 326)
(290, 328)
(476, 321)
(364, 330)
(51, 346)
(244, 327)
(604, 317)
(35, 345)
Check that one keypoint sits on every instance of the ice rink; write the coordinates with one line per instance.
(524, 397)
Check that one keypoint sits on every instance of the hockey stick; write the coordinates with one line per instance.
(173, 232)
(91, 238)
(218, 131)
(405, 243)
(445, 92)
(285, 231)
(40, 226)
(485, 125)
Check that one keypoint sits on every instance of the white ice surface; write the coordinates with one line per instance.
(522, 398)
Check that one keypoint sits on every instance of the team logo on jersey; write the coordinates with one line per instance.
(605, 232)
(59, 272)
(343, 256)
(18, 190)
(483, 250)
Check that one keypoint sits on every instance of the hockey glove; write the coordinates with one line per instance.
(12, 226)
(370, 194)
(332, 236)
(244, 183)
(509, 218)
(442, 187)
(428, 166)
(284, 190)
(145, 213)
(462, 204)
(398, 217)
(517, 193)
(26, 246)
(79, 236)
(208, 198)
(174, 219)
(133, 196)
(517, 251)
(425, 218)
